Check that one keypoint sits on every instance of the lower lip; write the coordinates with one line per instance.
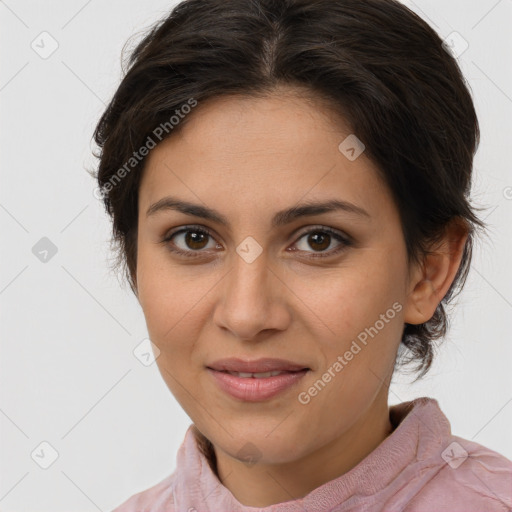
(255, 390)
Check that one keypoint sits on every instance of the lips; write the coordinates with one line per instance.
(258, 366)
(258, 375)
(258, 380)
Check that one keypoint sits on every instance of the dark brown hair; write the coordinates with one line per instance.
(374, 62)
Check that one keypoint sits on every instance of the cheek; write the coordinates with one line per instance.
(171, 305)
(175, 300)
(354, 312)
(346, 300)
(166, 296)
(358, 335)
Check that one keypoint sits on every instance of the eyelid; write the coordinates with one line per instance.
(345, 241)
(319, 227)
(187, 227)
(166, 240)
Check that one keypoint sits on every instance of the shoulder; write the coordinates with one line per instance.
(470, 477)
(155, 499)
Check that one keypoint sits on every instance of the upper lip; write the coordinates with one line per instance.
(265, 364)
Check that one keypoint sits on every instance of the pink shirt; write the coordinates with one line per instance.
(420, 466)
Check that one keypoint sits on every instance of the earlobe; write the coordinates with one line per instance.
(422, 302)
(433, 278)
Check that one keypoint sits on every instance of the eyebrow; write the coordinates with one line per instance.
(281, 218)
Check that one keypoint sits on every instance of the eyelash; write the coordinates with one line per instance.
(345, 241)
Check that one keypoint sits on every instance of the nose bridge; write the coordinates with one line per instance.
(248, 304)
(248, 280)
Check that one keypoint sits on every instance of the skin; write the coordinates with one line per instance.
(247, 159)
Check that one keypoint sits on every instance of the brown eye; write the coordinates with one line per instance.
(195, 239)
(190, 241)
(320, 240)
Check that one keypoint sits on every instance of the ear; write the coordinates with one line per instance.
(431, 280)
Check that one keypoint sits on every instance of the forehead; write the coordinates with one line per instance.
(280, 121)
(259, 153)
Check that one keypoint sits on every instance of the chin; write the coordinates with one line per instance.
(254, 445)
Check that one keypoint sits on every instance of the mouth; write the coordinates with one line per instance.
(256, 381)
(257, 366)
(259, 375)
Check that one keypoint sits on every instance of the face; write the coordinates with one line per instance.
(323, 288)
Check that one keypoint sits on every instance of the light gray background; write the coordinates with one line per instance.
(68, 329)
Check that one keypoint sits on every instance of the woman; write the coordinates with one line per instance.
(288, 182)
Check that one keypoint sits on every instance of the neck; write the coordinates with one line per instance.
(263, 485)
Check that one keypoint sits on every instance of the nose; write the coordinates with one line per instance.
(252, 299)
